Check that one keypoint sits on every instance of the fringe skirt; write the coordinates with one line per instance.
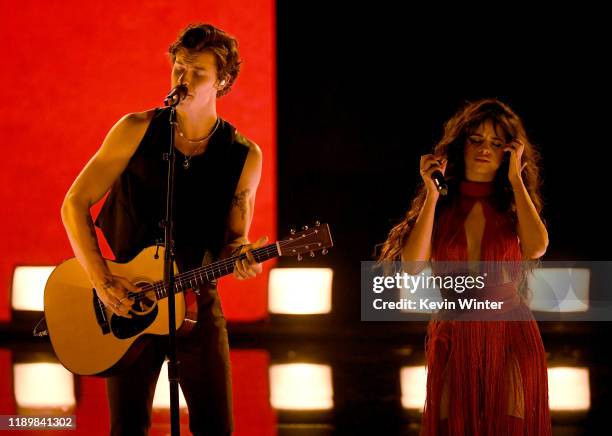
(495, 376)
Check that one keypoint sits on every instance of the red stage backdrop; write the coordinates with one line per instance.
(71, 69)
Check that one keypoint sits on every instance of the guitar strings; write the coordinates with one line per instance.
(193, 275)
(225, 264)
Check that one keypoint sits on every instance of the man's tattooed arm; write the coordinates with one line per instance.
(240, 218)
(240, 202)
(243, 203)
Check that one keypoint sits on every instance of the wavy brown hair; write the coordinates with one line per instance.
(200, 38)
(456, 132)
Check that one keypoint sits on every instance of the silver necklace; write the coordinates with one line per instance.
(195, 141)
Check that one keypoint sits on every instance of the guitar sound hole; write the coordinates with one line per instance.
(144, 302)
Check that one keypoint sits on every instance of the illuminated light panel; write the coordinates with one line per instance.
(413, 382)
(300, 291)
(29, 287)
(301, 386)
(43, 385)
(161, 400)
(569, 389)
(560, 289)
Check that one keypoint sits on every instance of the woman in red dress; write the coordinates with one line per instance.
(483, 377)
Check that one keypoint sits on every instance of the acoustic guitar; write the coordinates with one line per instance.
(89, 339)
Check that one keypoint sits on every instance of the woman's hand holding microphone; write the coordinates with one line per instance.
(429, 165)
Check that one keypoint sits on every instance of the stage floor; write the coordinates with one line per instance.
(288, 383)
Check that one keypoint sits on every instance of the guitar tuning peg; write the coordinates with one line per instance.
(292, 231)
(324, 251)
(299, 257)
(312, 254)
(304, 227)
(317, 223)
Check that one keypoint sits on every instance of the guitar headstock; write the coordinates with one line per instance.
(308, 240)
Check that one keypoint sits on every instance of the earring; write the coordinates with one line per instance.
(222, 83)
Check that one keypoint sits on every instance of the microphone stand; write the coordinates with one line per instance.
(173, 374)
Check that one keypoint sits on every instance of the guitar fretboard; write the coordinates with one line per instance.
(207, 273)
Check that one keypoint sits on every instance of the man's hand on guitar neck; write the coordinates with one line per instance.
(113, 290)
(248, 268)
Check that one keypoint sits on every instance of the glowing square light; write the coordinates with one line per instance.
(569, 389)
(300, 290)
(560, 289)
(301, 386)
(161, 400)
(413, 382)
(29, 287)
(43, 385)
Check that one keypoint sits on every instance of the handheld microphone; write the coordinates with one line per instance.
(176, 95)
(438, 179)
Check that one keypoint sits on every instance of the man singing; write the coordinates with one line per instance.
(217, 174)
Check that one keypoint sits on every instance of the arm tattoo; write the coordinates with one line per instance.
(108, 283)
(240, 200)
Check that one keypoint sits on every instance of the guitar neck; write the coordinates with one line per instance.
(213, 271)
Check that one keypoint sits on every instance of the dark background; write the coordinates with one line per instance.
(363, 92)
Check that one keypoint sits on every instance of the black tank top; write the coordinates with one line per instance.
(131, 215)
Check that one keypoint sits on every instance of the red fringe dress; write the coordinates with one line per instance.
(484, 363)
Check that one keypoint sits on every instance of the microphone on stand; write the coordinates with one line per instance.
(176, 95)
(438, 179)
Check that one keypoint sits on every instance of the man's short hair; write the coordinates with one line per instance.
(200, 38)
